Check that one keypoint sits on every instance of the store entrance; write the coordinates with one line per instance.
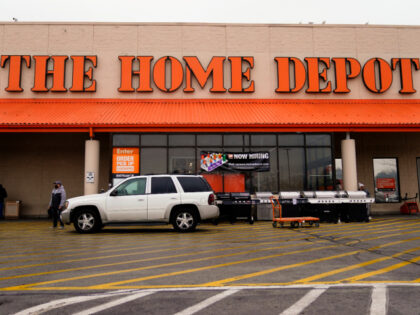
(289, 161)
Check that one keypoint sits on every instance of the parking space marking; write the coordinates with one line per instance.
(114, 303)
(378, 306)
(382, 270)
(356, 266)
(26, 286)
(304, 302)
(207, 302)
(144, 247)
(267, 271)
(415, 228)
(49, 306)
(379, 303)
(146, 259)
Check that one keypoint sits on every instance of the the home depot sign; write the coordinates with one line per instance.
(144, 74)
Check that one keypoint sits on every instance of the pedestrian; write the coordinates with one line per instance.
(58, 198)
(3, 195)
(362, 187)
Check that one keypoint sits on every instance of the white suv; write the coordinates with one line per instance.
(182, 200)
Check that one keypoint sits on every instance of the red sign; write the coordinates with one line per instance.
(385, 183)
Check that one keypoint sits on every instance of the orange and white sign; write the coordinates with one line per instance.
(125, 161)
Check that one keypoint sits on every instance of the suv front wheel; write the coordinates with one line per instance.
(86, 221)
(184, 220)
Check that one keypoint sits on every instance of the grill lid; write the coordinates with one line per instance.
(289, 194)
(325, 194)
(263, 194)
(357, 194)
(241, 195)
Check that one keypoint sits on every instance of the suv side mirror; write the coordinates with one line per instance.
(114, 193)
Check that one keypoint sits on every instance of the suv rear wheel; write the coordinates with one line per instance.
(184, 220)
(86, 221)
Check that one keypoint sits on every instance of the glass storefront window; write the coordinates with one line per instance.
(153, 161)
(125, 140)
(180, 140)
(292, 169)
(207, 140)
(153, 140)
(263, 140)
(291, 140)
(318, 140)
(386, 180)
(182, 160)
(319, 169)
(293, 166)
(266, 181)
(233, 140)
(339, 173)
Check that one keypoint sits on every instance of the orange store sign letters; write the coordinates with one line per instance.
(143, 74)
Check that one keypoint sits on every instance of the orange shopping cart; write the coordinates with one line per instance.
(294, 221)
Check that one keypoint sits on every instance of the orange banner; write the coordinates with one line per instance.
(125, 161)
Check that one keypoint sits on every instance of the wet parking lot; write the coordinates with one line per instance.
(367, 268)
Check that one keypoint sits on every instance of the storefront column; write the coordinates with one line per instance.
(348, 155)
(91, 166)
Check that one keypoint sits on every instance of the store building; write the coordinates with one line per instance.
(309, 107)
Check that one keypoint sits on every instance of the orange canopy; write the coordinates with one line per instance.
(207, 115)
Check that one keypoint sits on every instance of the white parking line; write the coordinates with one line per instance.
(379, 300)
(108, 305)
(304, 302)
(211, 300)
(46, 307)
(378, 306)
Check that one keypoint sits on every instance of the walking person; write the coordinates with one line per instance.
(58, 198)
(3, 195)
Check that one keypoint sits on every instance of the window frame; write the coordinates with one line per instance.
(397, 178)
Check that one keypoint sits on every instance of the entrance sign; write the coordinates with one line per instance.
(247, 161)
(125, 161)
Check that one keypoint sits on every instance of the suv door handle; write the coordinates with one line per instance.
(140, 199)
(173, 198)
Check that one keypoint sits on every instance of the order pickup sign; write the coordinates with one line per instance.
(125, 161)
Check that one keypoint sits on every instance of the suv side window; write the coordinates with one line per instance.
(193, 184)
(163, 185)
(135, 186)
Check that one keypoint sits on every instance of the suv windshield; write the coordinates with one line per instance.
(193, 184)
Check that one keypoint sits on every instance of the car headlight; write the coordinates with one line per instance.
(66, 205)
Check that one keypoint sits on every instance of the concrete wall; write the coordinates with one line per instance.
(403, 146)
(30, 163)
(264, 42)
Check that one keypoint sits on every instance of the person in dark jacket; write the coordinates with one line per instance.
(58, 198)
(3, 195)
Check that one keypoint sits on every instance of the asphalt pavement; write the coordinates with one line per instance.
(363, 268)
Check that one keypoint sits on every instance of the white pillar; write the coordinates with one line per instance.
(91, 177)
(348, 155)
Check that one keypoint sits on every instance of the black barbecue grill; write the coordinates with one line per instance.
(236, 206)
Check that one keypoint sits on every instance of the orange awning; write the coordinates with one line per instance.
(207, 115)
